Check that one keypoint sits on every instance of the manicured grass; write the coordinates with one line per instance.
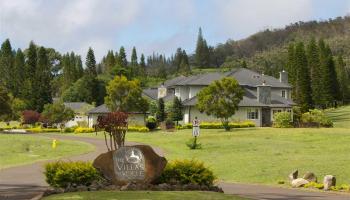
(262, 155)
(340, 116)
(154, 195)
(18, 149)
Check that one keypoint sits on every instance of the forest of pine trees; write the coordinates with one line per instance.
(318, 77)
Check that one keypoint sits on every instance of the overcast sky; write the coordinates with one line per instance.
(150, 25)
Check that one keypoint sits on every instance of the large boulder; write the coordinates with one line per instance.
(137, 164)
(299, 182)
(311, 177)
(329, 181)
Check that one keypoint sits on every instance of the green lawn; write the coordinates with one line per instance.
(340, 116)
(18, 149)
(154, 195)
(262, 155)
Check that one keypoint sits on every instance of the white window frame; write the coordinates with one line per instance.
(252, 113)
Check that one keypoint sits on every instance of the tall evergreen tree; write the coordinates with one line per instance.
(122, 60)
(178, 58)
(143, 65)
(313, 59)
(185, 65)
(160, 114)
(20, 74)
(134, 64)
(91, 63)
(343, 79)
(30, 70)
(202, 51)
(176, 110)
(6, 65)
(110, 61)
(79, 68)
(42, 83)
(303, 84)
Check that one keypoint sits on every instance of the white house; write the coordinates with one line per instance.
(80, 113)
(264, 95)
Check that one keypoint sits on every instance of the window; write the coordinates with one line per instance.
(283, 93)
(252, 114)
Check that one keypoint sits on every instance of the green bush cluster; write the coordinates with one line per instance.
(282, 120)
(62, 174)
(218, 125)
(186, 172)
(151, 123)
(314, 185)
(321, 186)
(138, 129)
(316, 118)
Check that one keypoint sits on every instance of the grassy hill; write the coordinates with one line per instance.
(340, 116)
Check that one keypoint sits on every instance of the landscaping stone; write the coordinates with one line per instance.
(139, 164)
(294, 175)
(329, 181)
(311, 177)
(299, 182)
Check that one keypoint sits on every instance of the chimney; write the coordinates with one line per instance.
(264, 93)
(162, 91)
(284, 77)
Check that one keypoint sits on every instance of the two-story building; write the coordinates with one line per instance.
(264, 95)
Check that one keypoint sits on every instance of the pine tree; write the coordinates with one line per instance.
(143, 65)
(91, 63)
(176, 110)
(30, 70)
(313, 59)
(6, 65)
(42, 82)
(343, 79)
(160, 114)
(79, 67)
(291, 69)
(122, 61)
(330, 86)
(303, 86)
(202, 51)
(178, 58)
(20, 74)
(185, 65)
(134, 64)
(110, 61)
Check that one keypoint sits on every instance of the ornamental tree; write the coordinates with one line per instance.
(176, 110)
(57, 113)
(114, 125)
(30, 117)
(220, 99)
(126, 96)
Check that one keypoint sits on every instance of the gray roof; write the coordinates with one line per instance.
(250, 100)
(103, 109)
(78, 106)
(242, 75)
(151, 93)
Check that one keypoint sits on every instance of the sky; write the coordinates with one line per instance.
(150, 25)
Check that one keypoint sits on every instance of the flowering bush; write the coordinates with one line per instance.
(218, 125)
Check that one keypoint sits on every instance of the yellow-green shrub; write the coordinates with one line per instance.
(187, 171)
(43, 130)
(61, 174)
(84, 130)
(138, 129)
(314, 185)
(218, 125)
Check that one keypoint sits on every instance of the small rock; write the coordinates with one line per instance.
(191, 186)
(299, 182)
(294, 175)
(216, 189)
(163, 187)
(311, 177)
(81, 188)
(204, 188)
(328, 182)
(111, 187)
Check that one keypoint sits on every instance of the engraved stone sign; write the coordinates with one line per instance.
(129, 164)
(139, 163)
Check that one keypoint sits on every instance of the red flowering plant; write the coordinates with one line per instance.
(114, 126)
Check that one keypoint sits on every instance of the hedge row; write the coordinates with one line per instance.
(218, 125)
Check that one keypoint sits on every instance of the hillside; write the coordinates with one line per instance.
(266, 51)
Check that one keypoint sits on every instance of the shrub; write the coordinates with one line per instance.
(138, 128)
(218, 125)
(30, 117)
(83, 130)
(193, 144)
(70, 129)
(314, 185)
(282, 120)
(169, 124)
(316, 118)
(151, 123)
(62, 174)
(43, 130)
(187, 171)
